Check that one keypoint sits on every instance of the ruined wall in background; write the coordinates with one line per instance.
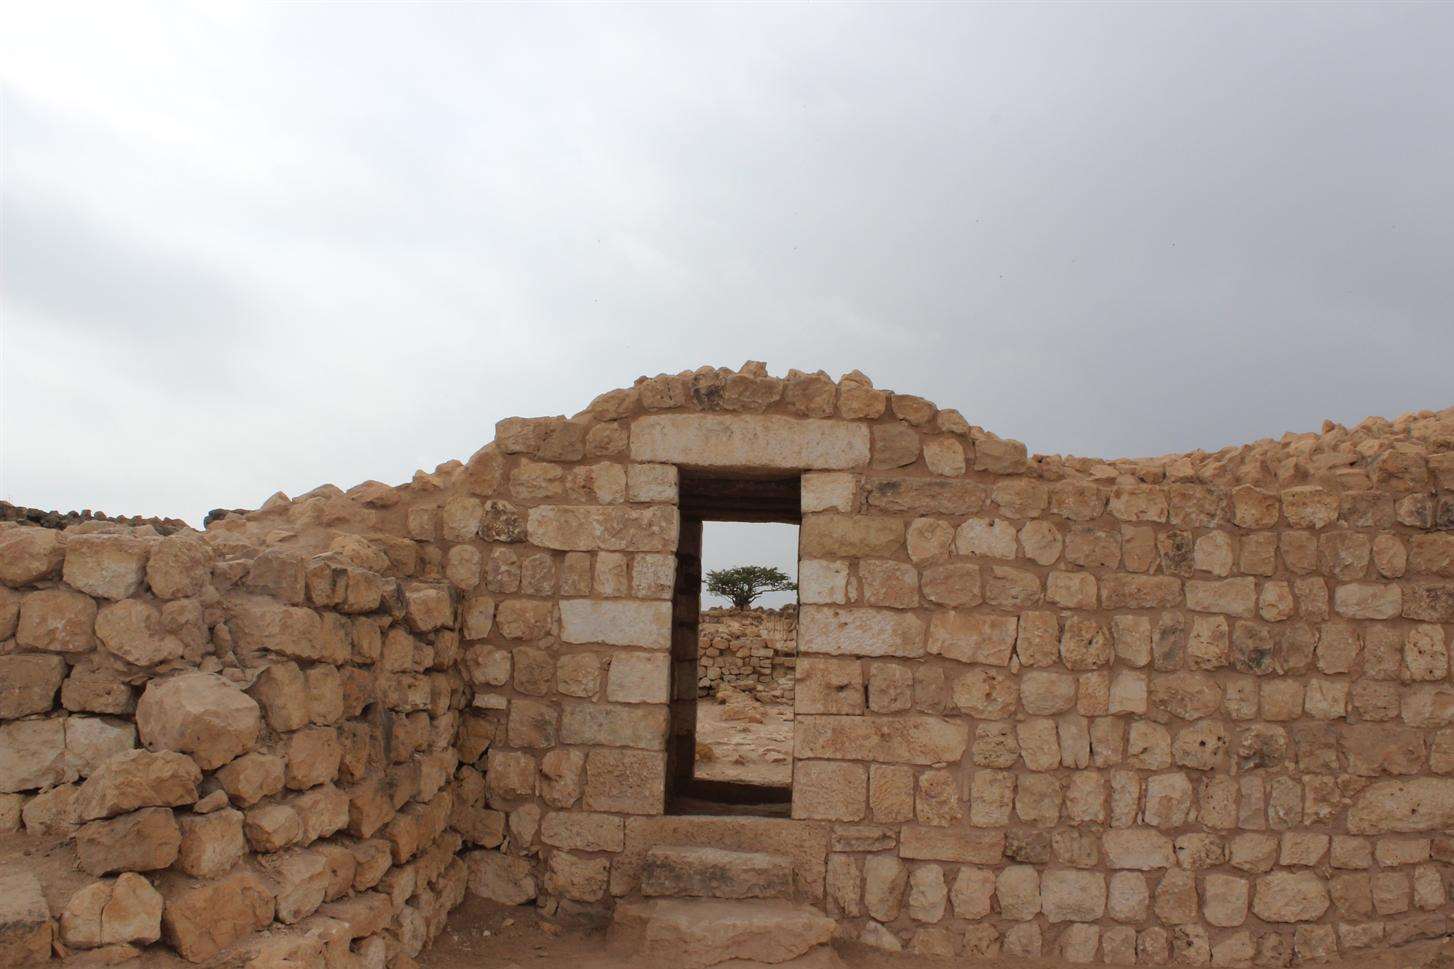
(1183, 709)
(754, 651)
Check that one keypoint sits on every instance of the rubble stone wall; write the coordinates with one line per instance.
(754, 651)
(1182, 710)
(252, 750)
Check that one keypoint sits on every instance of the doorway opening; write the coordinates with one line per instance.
(734, 646)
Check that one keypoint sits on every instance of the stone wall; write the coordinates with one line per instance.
(1178, 710)
(754, 651)
(243, 745)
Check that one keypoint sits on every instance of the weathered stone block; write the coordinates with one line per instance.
(1421, 804)
(33, 755)
(625, 781)
(841, 536)
(617, 528)
(201, 714)
(137, 779)
(972, 637)
(118, 912)
(859, 631)
(616, 623)
(1072, 896)
(145, 840)
(199, 920)
(211, 843)
(57, 621)
(829, 790)
(639, 678)
(106, 566)
(28, 684)
(29, 554)
(833, 686)
(1290, 897)
(897, 740)
(747, 442)
(614, 725)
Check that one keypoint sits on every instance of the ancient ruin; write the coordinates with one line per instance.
(1184, 710)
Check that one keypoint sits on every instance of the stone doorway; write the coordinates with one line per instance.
(732, 756)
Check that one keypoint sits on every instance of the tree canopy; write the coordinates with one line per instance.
(745, 583)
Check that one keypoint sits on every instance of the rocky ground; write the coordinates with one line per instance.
(745, 741)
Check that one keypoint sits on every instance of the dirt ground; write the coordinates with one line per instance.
(744, 751)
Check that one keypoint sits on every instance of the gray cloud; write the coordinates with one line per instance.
(265, 247)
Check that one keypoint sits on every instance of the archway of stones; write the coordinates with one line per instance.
(714, 498)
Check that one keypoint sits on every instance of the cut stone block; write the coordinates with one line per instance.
(746, 442)
(689, 871)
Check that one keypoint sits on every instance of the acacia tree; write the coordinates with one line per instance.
(745, 583)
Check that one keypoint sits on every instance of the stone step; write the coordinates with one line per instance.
(695, 933)
(685, 871)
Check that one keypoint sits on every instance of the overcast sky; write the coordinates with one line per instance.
(252, 247)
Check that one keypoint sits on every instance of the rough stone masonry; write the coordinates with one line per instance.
(1194, 709)
(753, 651)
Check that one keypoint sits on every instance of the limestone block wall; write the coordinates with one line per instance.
(1180, 710)
(754, 651)
(1176, 710)
(252, 750)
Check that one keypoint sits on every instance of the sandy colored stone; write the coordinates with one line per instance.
(1421, 804)
(906, 739)
(989, 537)
(125, 910)
(201, 919)
(924, 496)
(1017, 890)
(28, 684)
(1072, 896)
(827, 685)
(1309, 507)
(201, 714)
(1367, 600)
(859, 631)
(1142, 849)
(612, 528)
(616, 623)
(180, 566)
(144, 840)
(57, 621)
(624, 781)
(987, 694)
(1290, 897)
(211, 843)
(33, 755)
(1078, 500)
(972, 637)
(828, 790)
(888, 583)
(137, 779)
(832, 536)
(25, 923)
(745, 442)
(108, 566)
(952, 584)
(928, 539)
(30, 554)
